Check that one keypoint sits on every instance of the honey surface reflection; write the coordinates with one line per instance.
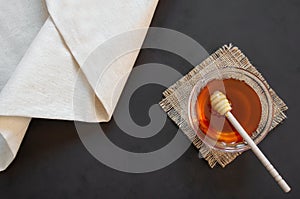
(246, 107)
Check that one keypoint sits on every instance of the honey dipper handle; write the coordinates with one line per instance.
(285, 187)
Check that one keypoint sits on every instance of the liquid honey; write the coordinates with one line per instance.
(246, 107)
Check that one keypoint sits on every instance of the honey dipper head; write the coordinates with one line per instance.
(220, 103)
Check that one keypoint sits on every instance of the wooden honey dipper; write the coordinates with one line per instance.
(220, 103)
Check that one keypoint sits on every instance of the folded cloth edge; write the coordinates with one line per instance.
(23, 127)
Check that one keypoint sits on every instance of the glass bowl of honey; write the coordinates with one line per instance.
(251, 103)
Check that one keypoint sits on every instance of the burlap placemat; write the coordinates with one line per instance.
(175, 103)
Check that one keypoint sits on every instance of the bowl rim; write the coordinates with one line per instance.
(258, 136)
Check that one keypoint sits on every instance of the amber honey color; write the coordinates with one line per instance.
(246, 107)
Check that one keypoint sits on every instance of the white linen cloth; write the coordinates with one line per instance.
(43, 84)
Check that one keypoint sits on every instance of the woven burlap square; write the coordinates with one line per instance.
(176, 99)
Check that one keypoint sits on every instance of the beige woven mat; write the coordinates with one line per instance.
(176, 99)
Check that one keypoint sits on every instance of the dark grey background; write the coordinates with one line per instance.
(53, 163)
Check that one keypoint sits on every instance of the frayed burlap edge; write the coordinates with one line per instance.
(228, 55)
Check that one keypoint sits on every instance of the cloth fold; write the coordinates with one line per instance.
(56, 78)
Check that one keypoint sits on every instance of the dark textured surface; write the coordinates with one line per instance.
(53, 163)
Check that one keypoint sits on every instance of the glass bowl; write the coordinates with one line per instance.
(251, 80)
